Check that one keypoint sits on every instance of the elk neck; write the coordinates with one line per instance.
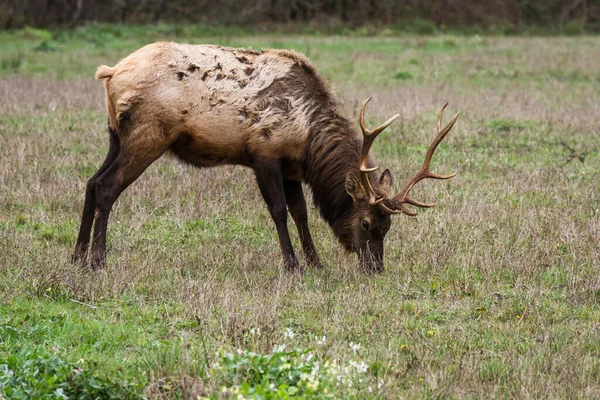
(333, 151)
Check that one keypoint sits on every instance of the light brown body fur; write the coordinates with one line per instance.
(210, 99)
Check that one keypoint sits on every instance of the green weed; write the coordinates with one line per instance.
(402, 75)
(39, 374)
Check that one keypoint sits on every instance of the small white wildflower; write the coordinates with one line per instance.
(361, 367)
(322, 341)
(309, 357)
(255, 331)
(239, 351)
(279, 349)
(355, 346)
(289, 334)
(370, 389)
(285, 366)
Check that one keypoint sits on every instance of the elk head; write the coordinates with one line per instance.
(373, 206)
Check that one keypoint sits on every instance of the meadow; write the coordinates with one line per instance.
(493, 293)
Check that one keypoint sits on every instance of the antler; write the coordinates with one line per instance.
(368, 138)
(396, 205)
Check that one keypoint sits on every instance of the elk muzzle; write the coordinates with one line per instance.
(371, 257)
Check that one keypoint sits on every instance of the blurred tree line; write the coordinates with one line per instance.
(554, 15)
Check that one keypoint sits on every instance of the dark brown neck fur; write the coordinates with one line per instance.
(332, 152)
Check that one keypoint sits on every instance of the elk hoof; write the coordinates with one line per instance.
(293, 266)
(79, 257)
(99, 262)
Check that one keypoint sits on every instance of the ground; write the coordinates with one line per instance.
(493, 293)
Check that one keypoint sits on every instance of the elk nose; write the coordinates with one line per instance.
(370, 262)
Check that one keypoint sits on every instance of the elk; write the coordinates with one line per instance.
(269, 111)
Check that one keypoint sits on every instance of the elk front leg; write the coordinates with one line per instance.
(270, 182)
(297, 205)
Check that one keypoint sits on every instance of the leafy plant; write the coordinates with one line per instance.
(37, 374)
(46, 46)
(286, 374)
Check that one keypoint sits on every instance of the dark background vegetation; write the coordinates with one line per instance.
(502, 16)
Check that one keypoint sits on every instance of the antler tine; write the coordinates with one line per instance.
(403, 197)
(438, 139)
(368, 138)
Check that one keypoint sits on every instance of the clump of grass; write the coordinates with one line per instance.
(418, 26)
(504, 125)
(574, 27)
(46, 46)
(402, 75)
(12, 62)
(34, 33)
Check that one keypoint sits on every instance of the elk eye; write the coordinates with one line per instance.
(365, 224)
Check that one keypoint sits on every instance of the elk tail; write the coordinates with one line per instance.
(104, 72)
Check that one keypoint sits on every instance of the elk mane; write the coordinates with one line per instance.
(332, 152)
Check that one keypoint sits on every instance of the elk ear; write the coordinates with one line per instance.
(385, 182)
(354, 187)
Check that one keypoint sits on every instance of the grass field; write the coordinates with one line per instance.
(494, 293)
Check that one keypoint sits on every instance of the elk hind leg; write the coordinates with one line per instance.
(128, 166)
(89, 205)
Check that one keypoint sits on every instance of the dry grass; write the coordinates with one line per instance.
(494, 293)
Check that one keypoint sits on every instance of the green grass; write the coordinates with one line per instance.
(494, 293)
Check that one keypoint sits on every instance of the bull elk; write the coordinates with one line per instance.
(269, 111)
